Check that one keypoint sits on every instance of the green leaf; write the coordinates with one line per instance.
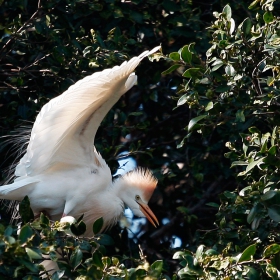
(272, 272)
(220, 264)
(157, 267)
(191, 73)
(25, 210)
(179, 255)
(271, 250)
(212, 204)
(217, 66)
(183, 209)
(195, 121)
(253, 4)
(183, 99)
(273, 136)
(240, 117)
(246, 26)
(253, 129)
(78, 228)
(26, 233)
(186, 54)
(106, 261)
(227, 12)
(253, 164)
(248, 253)
(97, 226)
(57, 275)
(171, 69)
(256, 222)
(31, 266)
(34, 253)
(274, 212)
(136, 114)
(174, 56)
(199, 251)
(238, 162)
(211, 252)
(105, 239)
(244, 190)
(53, 256)
(230, 71)
(268, 17)
(44, 221)
(8, 231)
(76, 258)
(268, 195)
(253, 213)
(272, 151)
(209, 106)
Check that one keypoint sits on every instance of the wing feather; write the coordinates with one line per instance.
(64, 130)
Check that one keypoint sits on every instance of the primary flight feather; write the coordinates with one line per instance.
(61, 171)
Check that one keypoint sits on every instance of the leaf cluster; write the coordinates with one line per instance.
(234, 95)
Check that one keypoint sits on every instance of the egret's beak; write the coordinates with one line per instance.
(146, 210)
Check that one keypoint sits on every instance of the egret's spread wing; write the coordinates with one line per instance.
(64, 130)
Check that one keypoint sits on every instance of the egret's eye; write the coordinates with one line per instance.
(137, 197)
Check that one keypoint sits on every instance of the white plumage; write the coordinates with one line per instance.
(61, 171)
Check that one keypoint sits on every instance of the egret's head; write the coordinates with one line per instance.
(137, 187)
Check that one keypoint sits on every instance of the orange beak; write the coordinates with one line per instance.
(146, 210)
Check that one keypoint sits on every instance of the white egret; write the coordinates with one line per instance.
(61, 171)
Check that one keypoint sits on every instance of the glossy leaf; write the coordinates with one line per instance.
(186, 54)
(25, 210)
(248, 253)
(271, 250)
(195, 121)
(274, 212)
(227, 12)
(191, 73)
(25, 234)
(97, 226)
(268, 17)
(174, 56)
(76, 258)
(171, 69)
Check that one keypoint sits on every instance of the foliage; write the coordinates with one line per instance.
(216, 153)
(240, 103)
(85, 258)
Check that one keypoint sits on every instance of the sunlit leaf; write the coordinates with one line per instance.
(186, 54)
(209, 106)
(195, 121)
(253, 164)
(174, 56)
(248, 253)
(227, 12)
(271, 250)
(268, 17)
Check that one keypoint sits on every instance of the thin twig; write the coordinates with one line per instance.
(21, 28)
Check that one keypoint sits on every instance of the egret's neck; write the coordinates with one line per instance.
(106, 204)
(119, 188)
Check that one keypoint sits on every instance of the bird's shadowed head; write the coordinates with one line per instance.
(135, 188)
